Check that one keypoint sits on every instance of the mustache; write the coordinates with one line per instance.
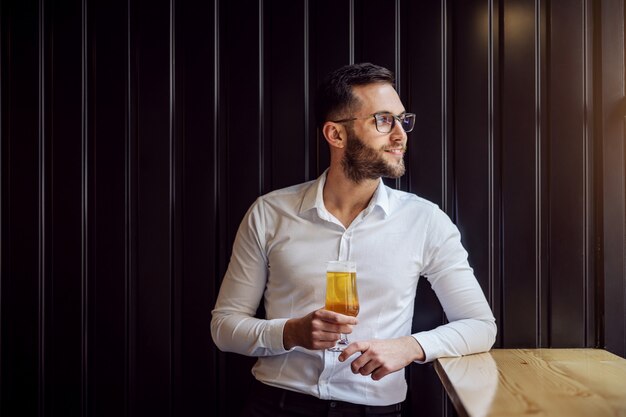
(393, 148)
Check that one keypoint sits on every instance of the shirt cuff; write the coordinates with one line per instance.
(430, 345)
(274, 335)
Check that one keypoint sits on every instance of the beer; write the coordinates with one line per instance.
(341, 295)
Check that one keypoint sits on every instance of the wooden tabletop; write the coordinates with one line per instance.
(536, 382)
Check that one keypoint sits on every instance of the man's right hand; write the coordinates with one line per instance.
(317, 330)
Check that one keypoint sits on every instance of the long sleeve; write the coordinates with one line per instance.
(471, 327)
(233, 326)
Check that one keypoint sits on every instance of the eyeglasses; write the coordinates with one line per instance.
(386, 121)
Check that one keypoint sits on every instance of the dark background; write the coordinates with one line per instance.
(136, 133)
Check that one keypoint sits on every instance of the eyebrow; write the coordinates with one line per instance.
(387, 111)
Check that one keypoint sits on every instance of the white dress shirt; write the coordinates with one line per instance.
(280, 256)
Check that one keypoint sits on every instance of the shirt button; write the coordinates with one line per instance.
(333, 404)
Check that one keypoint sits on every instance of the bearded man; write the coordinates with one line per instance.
(288, 235)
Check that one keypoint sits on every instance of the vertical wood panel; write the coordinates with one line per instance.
(63, 89)
(131, 168)
(43, 215)
(520, 191)
(593, 230)
(568, 170)
(87, 206)
(108, 340)
(542, 171)
(425, 49)
(20, 210)
(244, 160)
(4, 46)
(596, 124)
(153, 331)
(471, 127)
(309, 117)
(614, 156)
(175, 221)
(375, 41)
(284, 124)
(494, 292)
(196, 89)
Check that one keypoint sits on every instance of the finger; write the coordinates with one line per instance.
(332, 317)
(323, 326)
(364, 364)
(324, 336)
(366, 368)
(323, 340)
(380, 373)
(343, 328)
(351, 349)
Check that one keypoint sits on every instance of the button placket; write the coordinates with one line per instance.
(330, 359)
(344, 247)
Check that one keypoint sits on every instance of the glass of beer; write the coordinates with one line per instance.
(341, 295)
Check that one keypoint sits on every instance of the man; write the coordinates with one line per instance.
(348, 213)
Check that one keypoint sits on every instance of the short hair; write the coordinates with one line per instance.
(334, 95)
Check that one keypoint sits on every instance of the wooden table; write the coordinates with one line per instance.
(536, 382)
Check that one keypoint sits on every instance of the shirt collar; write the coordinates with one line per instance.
(314, 197)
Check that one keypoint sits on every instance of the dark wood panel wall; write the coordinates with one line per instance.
(135, 134)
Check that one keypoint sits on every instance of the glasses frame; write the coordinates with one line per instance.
(399, 118)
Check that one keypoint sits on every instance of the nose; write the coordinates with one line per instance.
(397, 132)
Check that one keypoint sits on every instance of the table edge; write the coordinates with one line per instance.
(449, 387)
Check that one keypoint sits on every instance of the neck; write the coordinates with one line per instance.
(344, 198)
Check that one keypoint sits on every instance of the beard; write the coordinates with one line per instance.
(361, 162)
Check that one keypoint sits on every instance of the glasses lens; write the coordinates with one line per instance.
(384, 122)
(407, 121)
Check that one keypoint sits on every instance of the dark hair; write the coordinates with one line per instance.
(334, 95)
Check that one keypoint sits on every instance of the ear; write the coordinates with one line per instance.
(335, 134)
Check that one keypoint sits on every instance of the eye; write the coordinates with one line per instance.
(385, 118)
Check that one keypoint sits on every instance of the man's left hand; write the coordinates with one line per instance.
(382, 357)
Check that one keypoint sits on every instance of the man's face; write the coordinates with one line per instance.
(370, 154)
